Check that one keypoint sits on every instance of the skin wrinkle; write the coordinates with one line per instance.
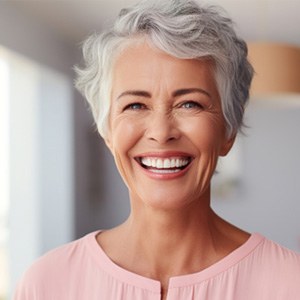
(207, 39)
(160, 107)
(171, 228)
(170, 220)
(177, 93)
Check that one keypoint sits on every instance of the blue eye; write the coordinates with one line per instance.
(191, 104)
(134, 106)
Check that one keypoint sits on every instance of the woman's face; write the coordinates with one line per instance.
(167, 129)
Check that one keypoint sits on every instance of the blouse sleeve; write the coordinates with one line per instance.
(25, 291)
(31, 285)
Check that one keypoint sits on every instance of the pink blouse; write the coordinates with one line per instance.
(258, 270)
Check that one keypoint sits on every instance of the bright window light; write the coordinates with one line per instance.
(4, 174)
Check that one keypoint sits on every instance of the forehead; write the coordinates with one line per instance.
(145, 67)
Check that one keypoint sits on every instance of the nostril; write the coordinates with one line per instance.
(161, 139)
(172, 138)
(162, 129)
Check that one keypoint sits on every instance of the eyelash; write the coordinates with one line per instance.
(131, 106)
(195, 105)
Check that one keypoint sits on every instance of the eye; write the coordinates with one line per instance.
(135, 106)
(191, 105)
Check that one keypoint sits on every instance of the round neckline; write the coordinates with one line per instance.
(220, 266)
(105, 263)
(117, 272)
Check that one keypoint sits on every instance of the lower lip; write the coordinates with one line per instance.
(165, 176)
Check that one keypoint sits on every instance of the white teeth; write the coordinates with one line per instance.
(153, 162)
(167, 163)
(159, 164)
(164, 163)
(165, 171)
(173, 163)
(148, 161)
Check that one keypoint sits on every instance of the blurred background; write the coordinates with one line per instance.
(57, 179)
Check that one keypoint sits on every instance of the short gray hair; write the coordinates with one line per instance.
(181, 28)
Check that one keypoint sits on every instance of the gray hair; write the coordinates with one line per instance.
(182, 29)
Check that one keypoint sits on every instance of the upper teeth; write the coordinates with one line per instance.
(164, 162)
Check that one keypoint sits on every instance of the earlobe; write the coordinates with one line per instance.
(227, 145)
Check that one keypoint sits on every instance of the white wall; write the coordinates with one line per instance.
(42, 138)
(24, 199)
(267, 196)
(41, 162)
(56, 159)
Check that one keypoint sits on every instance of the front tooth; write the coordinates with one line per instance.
(173, 163)
(164, 163)
(153, 162)
(159, 163)
(167, 163)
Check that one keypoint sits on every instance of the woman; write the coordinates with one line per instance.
(167, 86)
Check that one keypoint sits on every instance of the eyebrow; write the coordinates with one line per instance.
(176, 93)
(182, 92)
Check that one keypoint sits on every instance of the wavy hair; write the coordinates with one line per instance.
(181, 28)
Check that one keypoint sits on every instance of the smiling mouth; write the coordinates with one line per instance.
(164, 165)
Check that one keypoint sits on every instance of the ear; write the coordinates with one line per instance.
(227, 145)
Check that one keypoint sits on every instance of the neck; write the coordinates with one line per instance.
(173, 240)
(170, 227)
(188, 236)
(170, 243)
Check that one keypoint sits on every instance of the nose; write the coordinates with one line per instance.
(162, 128)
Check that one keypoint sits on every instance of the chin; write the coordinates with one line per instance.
(168, 200)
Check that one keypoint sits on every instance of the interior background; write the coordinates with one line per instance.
(262, 192)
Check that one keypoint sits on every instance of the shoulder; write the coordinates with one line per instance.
(278, 255)
(272, 265)
(57, 259)
(53, 269)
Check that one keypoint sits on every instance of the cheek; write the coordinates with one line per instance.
(206, 134)
(125, 133)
